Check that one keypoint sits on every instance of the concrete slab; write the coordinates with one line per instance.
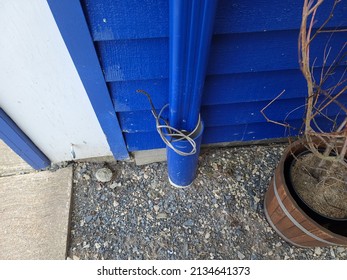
(11, 163)
(34, 215)
(149, 156)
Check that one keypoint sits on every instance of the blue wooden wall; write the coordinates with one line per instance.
(253, 58)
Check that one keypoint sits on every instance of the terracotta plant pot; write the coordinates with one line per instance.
(289, 217)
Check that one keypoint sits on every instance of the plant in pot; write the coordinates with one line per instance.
(306, 202)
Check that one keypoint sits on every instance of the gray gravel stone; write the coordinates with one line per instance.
(332, 253)
(318, 251)
(189, 223)
(240, 255)
(103, 175)
(161, 216)
(341, 249)
(221, 216)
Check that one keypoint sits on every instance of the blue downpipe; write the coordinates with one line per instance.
(191, 28)
(182, 169)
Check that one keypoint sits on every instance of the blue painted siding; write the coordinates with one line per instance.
(253, 58)
(244, 132)
(232, 53)
(229, 114)
(219, 89)
(138, 19)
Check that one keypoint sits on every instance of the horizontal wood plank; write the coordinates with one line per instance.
(219, 89)
(133, 19)
(230, 114)
(233, 53)
(235, 133)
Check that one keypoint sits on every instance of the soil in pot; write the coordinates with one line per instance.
(322, 185)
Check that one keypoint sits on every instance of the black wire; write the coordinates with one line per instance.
(154, 112)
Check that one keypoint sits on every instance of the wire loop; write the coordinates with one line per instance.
(169, 134)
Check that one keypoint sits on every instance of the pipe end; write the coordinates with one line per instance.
(178, 186)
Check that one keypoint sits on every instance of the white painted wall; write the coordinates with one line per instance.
(40, 88)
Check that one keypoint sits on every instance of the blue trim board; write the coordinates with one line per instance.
(74, 30)
(13, 136)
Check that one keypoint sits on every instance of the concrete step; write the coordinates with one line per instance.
(34, 210)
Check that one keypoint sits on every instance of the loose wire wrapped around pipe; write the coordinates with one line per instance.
(166, 131)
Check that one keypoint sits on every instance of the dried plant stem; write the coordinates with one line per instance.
(333, 141)
(327, 144)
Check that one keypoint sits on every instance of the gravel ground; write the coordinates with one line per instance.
(139, 215)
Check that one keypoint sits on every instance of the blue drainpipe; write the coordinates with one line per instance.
(191, 28)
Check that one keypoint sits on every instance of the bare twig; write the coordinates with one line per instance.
(319, 99)
(262, 111)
